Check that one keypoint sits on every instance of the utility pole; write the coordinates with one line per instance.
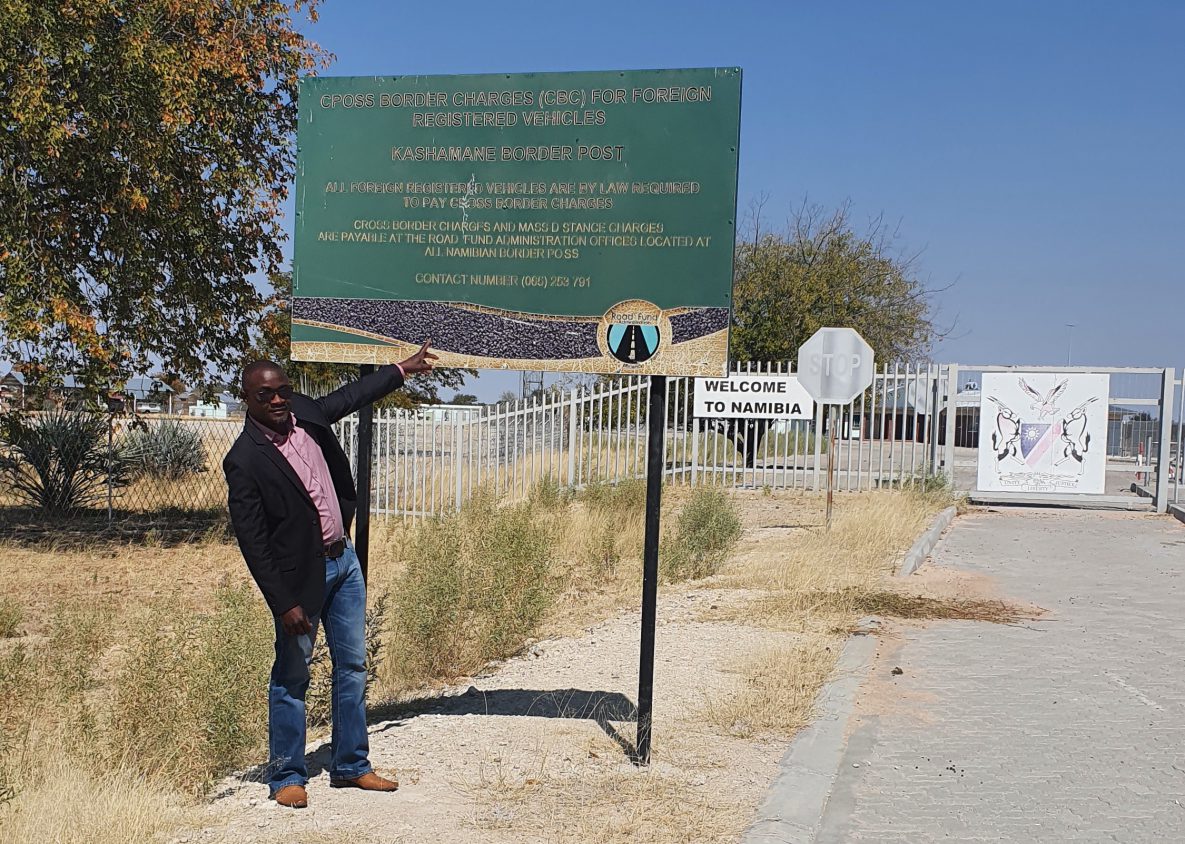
(1069, 342)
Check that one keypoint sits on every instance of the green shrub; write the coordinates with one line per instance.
(59, 461)
(477, 584)
(704, 532)
(318, 700)
(549, 493)
(169, 450)
(10, 617)
(621, 496)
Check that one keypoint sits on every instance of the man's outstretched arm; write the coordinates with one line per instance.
(357, 394)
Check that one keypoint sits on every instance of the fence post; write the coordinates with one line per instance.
(572, 436)
(933, 382)
(108, 457)
(1167, 385)
(952, 412)
(458, 459)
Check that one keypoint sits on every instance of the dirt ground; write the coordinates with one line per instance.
(537, 746)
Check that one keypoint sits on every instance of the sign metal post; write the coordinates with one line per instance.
(364, 444)
(655, 442)
(831, 421)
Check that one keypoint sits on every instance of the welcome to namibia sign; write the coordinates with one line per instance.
(563, 221)
(746, 396)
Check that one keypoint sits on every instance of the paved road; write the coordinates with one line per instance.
(1067, 729)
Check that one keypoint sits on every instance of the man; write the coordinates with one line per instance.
(292, 500)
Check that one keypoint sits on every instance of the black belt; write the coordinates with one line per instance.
(335, 549)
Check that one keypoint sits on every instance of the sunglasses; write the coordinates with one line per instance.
(266, 394)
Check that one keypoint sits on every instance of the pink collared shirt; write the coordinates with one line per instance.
(305, 457)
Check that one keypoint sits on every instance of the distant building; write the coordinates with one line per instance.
(225, 406)
(12, 389)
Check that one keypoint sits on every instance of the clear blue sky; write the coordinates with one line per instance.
(1033, 152)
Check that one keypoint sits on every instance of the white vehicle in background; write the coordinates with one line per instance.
(148, 407)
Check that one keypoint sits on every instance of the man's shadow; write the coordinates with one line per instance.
(602, 708)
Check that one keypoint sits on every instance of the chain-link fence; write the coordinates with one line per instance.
(82, 465)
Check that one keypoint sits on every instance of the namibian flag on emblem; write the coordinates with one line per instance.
(1036, 438)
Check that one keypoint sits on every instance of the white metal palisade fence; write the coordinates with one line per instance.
(432, 460)
(1177, 463)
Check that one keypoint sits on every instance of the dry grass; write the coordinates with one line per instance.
(67, 803)
(896, 601)
(42, 572)
(777, 691)
(821, 580)
(824, 581)
(203, 491)
(598, 556)
(605, 801)
(11, 616)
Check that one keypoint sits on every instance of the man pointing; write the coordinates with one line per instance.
(292, 500)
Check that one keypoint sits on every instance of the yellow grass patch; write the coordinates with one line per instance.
(68, 801)
(777, 689)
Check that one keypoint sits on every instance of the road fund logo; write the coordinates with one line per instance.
(633, 343)
(633, 331)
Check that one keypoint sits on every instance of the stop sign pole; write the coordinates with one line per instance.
(831, 473)
(835, 365)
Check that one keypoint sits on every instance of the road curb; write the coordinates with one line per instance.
(1177, 511)
(925, 543)
(793, 806)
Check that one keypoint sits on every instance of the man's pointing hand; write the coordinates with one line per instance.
(421, 361)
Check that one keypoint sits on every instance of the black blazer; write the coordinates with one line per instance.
(274, 519)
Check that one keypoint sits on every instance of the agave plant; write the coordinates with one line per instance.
(59, 461)
(169, 450)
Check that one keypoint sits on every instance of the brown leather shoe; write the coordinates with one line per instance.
(370, 781)
(292, 796)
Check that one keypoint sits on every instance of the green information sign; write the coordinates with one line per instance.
(560, 221)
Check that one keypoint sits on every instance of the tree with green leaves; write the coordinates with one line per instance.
(822, 272)
(146, 149)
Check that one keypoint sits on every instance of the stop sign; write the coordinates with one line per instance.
(835, 365)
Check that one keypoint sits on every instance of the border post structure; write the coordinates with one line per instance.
(364, 444)
(1167, 385)
(952, 414)
(656, 430)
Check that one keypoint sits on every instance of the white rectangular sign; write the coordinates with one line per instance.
(742, 396)
(1043, 432)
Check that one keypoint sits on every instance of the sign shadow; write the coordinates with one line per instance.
(602, 708)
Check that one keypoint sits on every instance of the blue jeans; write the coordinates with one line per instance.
(343, 614)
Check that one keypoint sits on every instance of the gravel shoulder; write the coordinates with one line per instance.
(507, 752)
